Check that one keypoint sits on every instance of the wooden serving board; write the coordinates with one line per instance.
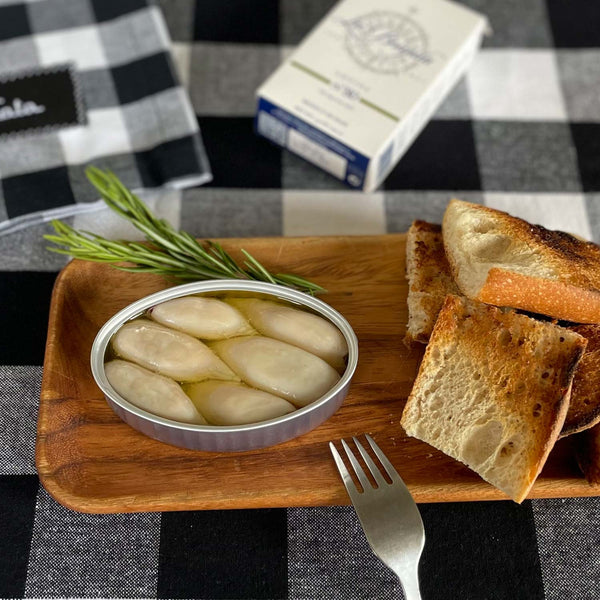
(89, 460)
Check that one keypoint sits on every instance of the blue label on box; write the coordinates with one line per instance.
(319, 148)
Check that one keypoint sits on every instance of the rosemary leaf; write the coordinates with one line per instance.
(299, 282)
(256, 268)
(218, 251)
(170, 253)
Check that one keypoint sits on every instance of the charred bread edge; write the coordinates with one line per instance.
(593, 418)
(418, 226)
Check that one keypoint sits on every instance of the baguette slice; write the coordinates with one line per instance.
(505, 261)
(429, 279)
(493, 391)
(584, 408)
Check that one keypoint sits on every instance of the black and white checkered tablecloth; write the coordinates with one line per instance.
(521, 133)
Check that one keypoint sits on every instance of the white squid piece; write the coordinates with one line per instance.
(278, 368)
(151, 392)
(297, 327)
(226, 403)
(169, 352)
(206, 318)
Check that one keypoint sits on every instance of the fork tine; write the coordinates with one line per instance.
(346, 477)
(364, 481)
(383, 459)
(371, 464)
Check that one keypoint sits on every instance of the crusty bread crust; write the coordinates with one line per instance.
(544, 296)
(429, 279)
(584, 408)
(503, 260)
(493, 391)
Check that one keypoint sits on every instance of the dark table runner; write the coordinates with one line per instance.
(521, 133)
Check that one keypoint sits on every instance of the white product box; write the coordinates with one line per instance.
(360, 87)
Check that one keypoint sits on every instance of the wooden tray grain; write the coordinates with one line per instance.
(90, 461)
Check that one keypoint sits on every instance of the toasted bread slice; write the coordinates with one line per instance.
(587, 453)
(505, 261)
(584, 408)
(429, 279)
(493, 391)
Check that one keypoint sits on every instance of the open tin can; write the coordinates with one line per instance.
(216, 438)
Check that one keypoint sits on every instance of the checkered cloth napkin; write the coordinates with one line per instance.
(521, 132)
(88, 82)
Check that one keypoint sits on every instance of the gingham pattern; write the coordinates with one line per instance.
(138, 118)
(530, 148)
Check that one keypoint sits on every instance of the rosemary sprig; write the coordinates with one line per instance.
(170, 253)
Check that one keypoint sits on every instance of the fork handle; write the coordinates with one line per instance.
(409, 580)
(411, 593)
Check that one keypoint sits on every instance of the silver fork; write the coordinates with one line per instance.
(388, 514)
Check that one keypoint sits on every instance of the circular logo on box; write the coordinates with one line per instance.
(386, 42)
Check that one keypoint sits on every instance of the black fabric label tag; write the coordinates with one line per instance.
(39, 100)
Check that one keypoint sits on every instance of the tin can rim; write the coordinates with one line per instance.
(138, 307)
